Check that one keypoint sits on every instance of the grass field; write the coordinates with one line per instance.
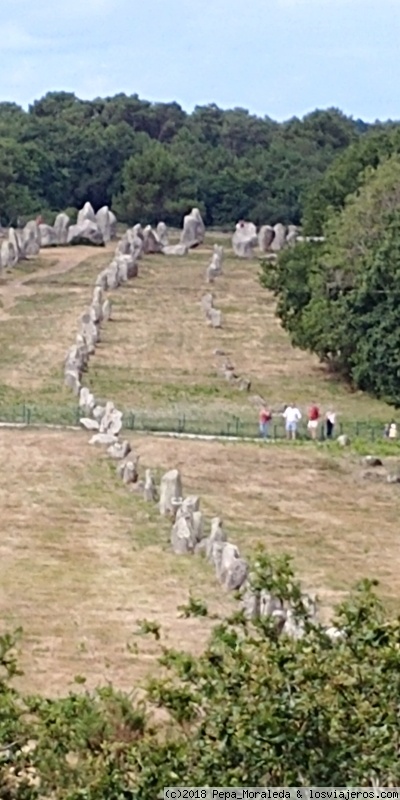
(82, 559)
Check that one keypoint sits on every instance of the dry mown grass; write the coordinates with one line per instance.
(158, 354)
(82, 560)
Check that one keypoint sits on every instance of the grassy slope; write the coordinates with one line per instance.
(81, 558)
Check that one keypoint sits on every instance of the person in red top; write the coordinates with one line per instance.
(264, 419)
(313, 420)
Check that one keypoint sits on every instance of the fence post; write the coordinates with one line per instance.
(28, 415)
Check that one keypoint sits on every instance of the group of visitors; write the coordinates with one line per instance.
(292, 416)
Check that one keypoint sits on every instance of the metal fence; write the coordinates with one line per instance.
(227, 426)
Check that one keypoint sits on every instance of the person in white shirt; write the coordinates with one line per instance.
(292, 417)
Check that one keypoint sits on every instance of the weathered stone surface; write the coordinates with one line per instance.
(86, 214)
(279, 239)
(119, 450)
(72, 381)
(111, 421)
(236, 575)
(193, 229)
(207, 303)
(128, 266)
(102, 280)
(292, 235)
(170, 491)
(48, 236)
(343, 440)
(127, 471)
(113, 276)
(113, 225)
(97, 295)
(215, 318)
(61, 225)
(244, 239)
(31, 238)
(150, 491)
(162, 234)
(190, 503)
(266, 236)
(151, 244)
(229, 555)
(103, 220)
(214, 269)
(107, 310)
(175, 250)
(8, 255)
(15, 240)
(89, 424)
(86, 232)
(86, 400)
(98, 412)
(198, 525)
(105, 439)
(182, 536)
(96, 313)
(217, 535)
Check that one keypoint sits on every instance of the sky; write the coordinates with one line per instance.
(279, 58)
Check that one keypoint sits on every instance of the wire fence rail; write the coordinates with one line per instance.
(228, 426)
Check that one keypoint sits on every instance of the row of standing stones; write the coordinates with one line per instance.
(98, 228)
(188, 535)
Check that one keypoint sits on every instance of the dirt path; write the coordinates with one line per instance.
(67, 258)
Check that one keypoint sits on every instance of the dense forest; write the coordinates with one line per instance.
(153, 161)
(341, 298)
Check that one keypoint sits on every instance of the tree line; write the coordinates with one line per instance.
(340, 298)
(153, 161)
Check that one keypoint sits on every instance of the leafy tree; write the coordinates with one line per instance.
(255, 708)
(339, 299)
(155, 186)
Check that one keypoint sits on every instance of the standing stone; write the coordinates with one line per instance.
(149, 491)
(87, 232)
(217, 535)
(170, 490)
(107, 310)
(151, 243)
(127, 471)
(89, 424)
(162, 234)
(183, 539)
(86, 214)
(119, 450)
(113, 225)
(215, 318)
(265, 238)
(103, 220)
(61, 226)
(193, 229)
(48, 236)
(244, 239)
(97, 294)
(16, 244)
(279, 239)
(112, 420)
(86, 400)
(31, 238)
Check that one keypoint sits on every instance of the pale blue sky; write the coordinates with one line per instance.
(278, 58)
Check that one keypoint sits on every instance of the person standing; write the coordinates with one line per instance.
(330, 423)
(264, 419)
(292, 417)
(313, 420)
